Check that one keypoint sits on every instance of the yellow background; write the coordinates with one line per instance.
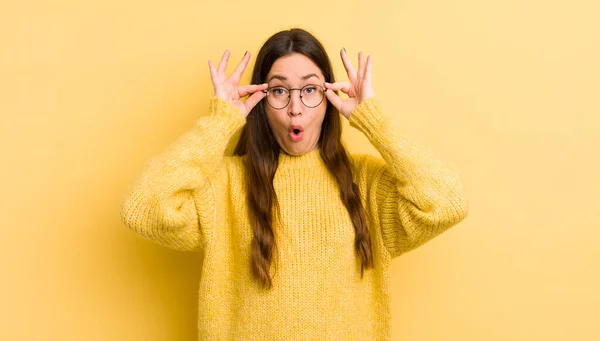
(506, 91)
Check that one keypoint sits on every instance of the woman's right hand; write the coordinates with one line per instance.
(228, 89)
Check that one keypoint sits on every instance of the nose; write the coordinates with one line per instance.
(295, 105)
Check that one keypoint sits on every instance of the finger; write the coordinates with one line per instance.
(348, 66)
(213, 71)
(369, 71)
(361, 66)
(343, 86)
(253, 100)
(239, 70)
(223, 62)
(251, 88)
(334, 99)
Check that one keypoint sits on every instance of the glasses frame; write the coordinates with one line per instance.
(289, 90)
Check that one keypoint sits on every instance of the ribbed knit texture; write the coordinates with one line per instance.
(191, 197)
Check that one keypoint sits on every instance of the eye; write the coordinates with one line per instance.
(310, 89)
(279, 91)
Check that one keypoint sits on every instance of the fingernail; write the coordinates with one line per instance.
(344, 49)
(245, 53)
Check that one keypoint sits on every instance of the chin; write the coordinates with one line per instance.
(294, 151)
(297, 149)
(291, 152)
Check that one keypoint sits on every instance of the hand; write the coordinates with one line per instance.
(228, 89)
(358, 89)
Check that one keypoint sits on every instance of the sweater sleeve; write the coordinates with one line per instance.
(173, 201)
(413, 196)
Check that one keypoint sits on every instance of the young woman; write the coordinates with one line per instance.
(297, 234)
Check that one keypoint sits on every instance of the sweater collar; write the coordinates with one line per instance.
(307, 160)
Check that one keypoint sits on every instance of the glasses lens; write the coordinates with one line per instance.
(312, 95)
(278, 97)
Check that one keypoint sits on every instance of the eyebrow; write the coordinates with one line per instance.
(284, 78)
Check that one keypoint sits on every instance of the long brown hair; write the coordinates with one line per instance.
(258, 143)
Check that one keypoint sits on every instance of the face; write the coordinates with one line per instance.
(296, 127)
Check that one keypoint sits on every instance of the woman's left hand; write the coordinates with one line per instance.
(358, 89)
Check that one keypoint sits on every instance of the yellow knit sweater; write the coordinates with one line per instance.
(191, 197)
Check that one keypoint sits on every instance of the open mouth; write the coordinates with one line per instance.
(296, 133)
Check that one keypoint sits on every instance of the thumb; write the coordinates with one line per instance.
(334, 99)
(253, 100)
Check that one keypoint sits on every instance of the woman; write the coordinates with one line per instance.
(297, 235)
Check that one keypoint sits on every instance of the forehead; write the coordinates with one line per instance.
(294, 67)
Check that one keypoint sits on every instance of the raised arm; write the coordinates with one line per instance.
(413, 196)
(172, 202)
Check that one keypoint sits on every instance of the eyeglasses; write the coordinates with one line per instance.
(311, 95)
